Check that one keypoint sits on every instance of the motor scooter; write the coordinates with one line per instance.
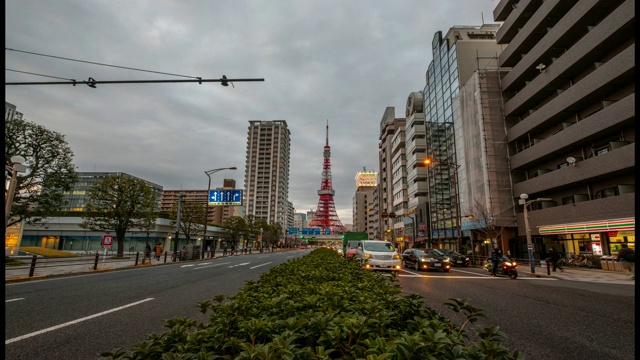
(506, 266)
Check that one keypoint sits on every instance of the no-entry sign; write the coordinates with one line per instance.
(107, 240)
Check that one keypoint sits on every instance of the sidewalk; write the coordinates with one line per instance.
(55, 267)
(582, 274)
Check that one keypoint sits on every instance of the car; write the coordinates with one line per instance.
(425, 259)
(457, 259)
(378, 255)
(351, 247)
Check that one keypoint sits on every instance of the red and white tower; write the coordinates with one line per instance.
(325, 215)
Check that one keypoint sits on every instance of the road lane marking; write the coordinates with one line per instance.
(474, 277)
(257, 266)
(7, 342)
(187, 265)
(241, 264)
(208, 266)
(14, 300)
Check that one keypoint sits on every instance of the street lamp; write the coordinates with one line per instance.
(17, 166)
(523, 201)
(206, 208)
(428, 162)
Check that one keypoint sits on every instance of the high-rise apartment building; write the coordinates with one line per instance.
(266, 179)
(10, 112)
(216, 214)
(392, 197)
(569, 107)
(363, 209)
(456, 57)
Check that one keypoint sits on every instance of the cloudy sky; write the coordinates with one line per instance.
(341, 61)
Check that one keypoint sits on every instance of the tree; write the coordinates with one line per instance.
(39, 192)
(119, 203)
(191, 215)
(233, 229)
(484, 222)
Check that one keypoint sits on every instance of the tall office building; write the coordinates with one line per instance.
(569, 106)
(363, 212)
(392, 197)
(456, 57)
(266, 179)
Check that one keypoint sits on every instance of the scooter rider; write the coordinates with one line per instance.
(496, 256)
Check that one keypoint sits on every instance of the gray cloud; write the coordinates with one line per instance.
(321, 60)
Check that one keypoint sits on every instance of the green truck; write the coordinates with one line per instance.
(350, 238)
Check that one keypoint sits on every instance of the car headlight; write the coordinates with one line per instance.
(424, 259)
(396, 256)
(367, 256)
(446, 260)
(466, 259)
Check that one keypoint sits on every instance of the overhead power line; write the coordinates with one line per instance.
(101, 64)
(91, 82)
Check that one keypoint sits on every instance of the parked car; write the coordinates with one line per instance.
(456, 258)
(425, 259)
(378, 255)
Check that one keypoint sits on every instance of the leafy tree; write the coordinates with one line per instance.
(191, 217)
(39, 192)
(119, 203)
(233, 228)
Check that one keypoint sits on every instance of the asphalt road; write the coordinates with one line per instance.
(79, 317)
(544, 318)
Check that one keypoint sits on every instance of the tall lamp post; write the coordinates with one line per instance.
(17, 166)
(428, 162)
(206, 208)
(523, 201)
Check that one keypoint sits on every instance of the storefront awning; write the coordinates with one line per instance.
(589, 227)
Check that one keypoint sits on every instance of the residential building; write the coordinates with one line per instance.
(569, 107)
(267, 171)
(366, 182)
(392, 198)
(10, 112)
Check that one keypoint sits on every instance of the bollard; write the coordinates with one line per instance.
(165, 256)
(213, 254)
(249, 251)
(33, 265)
(95, 264)
(138, 257)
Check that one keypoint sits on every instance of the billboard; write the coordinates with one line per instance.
(225, 197)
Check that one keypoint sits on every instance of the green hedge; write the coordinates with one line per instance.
(322, 306)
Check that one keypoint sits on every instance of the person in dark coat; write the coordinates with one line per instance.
(554, 257)
(496, 256)
(627, 258)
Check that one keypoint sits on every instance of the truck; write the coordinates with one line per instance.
(350, 238)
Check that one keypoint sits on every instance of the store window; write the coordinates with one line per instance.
(617, 238)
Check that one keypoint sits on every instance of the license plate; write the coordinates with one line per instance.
(384, 266)
(436, 264)
(459, 261)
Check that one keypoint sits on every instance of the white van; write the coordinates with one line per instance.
(378, 255)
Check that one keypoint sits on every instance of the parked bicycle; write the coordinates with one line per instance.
(583, 260)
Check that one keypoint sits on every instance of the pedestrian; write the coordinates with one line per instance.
(224, 250)
(627, 258)
(233, 249)
(147, 253)
(159, 250)
(496, 256)
(555, 259)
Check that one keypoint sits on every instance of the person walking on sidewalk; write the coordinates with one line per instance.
(627, 258)
(555, 259)
(147, 253)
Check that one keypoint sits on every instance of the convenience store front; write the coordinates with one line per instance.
(596, 238)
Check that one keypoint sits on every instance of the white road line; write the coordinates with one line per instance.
(208, 266)
(257, 266)
(14, 300)
(187, 265)
(7, 342)
(242, 264)
(260, 257)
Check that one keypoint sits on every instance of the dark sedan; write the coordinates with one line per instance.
(425, 259)
(457, 259)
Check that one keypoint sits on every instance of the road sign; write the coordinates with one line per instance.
(107, 240)
(225, 197)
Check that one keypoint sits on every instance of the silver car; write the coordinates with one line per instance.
(378, 255)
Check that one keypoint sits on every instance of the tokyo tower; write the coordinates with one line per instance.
(325, 215)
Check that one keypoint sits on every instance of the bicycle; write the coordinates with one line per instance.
(583, 261)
